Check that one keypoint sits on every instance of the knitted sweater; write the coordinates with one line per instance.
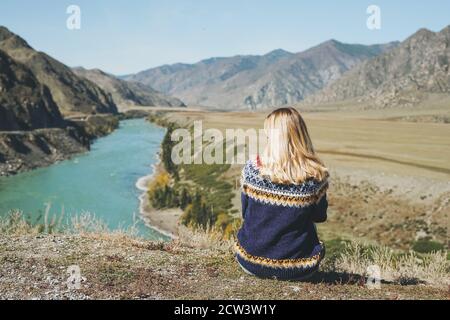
(278, 237)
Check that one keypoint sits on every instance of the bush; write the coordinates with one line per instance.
(161, 194)
(427, 246)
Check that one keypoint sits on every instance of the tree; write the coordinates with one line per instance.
(185, 198)
(166, 156)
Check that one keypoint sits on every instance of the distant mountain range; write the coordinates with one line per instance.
(402, 76)
(126, 93)
(275, 79)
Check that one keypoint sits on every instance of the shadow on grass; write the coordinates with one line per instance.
(340, 278)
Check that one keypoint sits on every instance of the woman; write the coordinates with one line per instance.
(283, 196)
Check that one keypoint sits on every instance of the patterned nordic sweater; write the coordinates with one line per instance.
(278, 237)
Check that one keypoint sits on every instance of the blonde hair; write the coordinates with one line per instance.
(289, 156)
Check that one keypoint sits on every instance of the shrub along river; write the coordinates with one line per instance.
(101, 182)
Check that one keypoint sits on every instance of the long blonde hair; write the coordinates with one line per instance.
(289, 156)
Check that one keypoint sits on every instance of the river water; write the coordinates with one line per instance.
(101, 182)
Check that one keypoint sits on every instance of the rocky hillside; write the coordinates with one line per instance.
(26, 150)
(402, 76)
(32, 130)
(25, 104)
(125, 93)
(253, 82)
(71, 93)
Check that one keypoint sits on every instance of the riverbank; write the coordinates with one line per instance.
(163, 221)
(202, 191)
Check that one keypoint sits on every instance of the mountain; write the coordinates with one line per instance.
(275, 79)
(125, 93)
(33, 132)
(36, 93)
(402, 76)
(25, 104)
(71, 93)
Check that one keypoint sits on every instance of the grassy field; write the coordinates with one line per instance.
(418, 149)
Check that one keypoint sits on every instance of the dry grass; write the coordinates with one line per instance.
(122, 267)
(15, 224)
(211, 238)
(402, 268)
(85, 224)
(352, 260)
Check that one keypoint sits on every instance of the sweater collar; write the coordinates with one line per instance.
(251, 176)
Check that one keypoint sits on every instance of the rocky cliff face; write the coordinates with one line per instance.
(32, 130)
(25, 104)
(125, 93)
(275, 79)
(95, 126)
(420, 65)
(25, 150)
(71, 93)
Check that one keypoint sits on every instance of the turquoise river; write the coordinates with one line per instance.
(101, 182)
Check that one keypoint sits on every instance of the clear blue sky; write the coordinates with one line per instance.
(126, 36)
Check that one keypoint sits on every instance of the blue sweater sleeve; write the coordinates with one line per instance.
(320, 210)
(244, 202)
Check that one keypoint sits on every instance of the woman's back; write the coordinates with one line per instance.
(278, 225)
(278, 237)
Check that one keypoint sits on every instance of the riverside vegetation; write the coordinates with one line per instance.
(198, 190)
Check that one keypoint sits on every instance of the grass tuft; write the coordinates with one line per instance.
(402, 268)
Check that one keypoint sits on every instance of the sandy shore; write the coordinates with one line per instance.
(163, 221)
